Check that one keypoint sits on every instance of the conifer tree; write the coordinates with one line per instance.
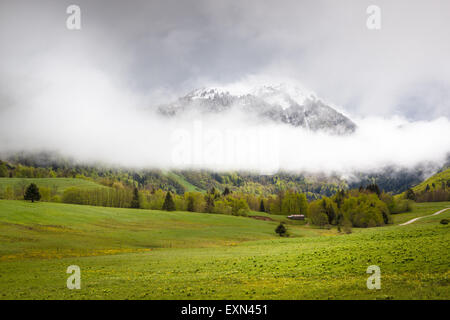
(190, 204)
(135, 201)
(261, 206)
(410, 194)
(226, 192)
(374, 189)
(209, 199)
(168, 205)
(32, 193)
(281, 230)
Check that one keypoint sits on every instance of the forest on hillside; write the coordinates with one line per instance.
(324, 200)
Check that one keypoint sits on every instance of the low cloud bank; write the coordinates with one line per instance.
(86, 113)
(88, 117)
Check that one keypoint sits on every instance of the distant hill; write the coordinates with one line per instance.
(315, 185)
(435, 182)
(391, 179)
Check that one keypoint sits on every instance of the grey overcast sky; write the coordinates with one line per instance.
(160, 49)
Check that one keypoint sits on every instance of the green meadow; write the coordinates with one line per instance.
(58, 184)
(149, 254)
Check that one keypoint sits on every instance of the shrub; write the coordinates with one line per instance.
(444, 221)
(347, 227)
(56, 198)
(396, 205)
(401, 205)
(281, 230)
(46, 194)
(222, 206)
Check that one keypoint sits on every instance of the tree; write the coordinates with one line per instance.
(427, 188)
(281, 230)
(410, 195)
(135, 202)
(223, 207)
(168, 205)
(239, 207)
(303, 204)
(195, 201)
(190, 204)
(209, 199)
(261, 206)
(366, 210)
(374, 189)
(329, 207)
(226, 192)
(212, 191)
(277, 206)
(318, 218)
(3, 170)
(32, 193)
(339, 198)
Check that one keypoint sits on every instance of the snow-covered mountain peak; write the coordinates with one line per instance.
(206, 93)
(281, 102)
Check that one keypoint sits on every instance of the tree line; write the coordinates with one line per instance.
(363, 207)
(431, 193)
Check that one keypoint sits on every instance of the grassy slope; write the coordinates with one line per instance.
(53, 229)
(420, 210)
(186, 184)
(123, 254)
(60, 183)
(437, 179)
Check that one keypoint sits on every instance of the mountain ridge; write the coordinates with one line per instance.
(277, 103)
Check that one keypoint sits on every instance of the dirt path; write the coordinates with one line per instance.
(261, 218)
(415, 219)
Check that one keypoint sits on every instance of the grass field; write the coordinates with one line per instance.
(420, 210)
(144, 254)
(59, 184)
(181, 180)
